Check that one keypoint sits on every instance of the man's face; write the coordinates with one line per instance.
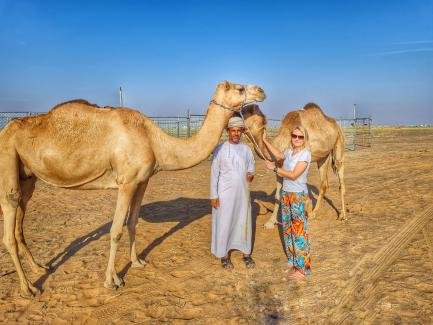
(235, 134)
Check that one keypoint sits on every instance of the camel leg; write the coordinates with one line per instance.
(27, 187)
(273, 219)
(9, 208)
(323, 166)
(124, 198)
(134, 212)
(339, 165)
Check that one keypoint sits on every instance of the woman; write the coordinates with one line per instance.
(294, 196)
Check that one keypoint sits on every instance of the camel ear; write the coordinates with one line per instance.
(227, 85)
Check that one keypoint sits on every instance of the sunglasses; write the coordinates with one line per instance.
(295, 136)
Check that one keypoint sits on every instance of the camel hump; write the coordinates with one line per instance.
(75, 101)
(312, 106)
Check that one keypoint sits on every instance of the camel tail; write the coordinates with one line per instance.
(338, 150)
(334, 162)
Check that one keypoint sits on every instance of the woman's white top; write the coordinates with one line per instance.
(290, 161)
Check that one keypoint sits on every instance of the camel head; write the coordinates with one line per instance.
(255, 122)
(234, 96)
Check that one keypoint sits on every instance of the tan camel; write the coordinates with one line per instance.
(81, 146)
(327, 148)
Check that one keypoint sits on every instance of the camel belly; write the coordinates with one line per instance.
(105, 180)
(71, 171)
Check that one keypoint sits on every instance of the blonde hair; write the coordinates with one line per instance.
(305, 133)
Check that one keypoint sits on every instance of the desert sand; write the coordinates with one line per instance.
(375, 268)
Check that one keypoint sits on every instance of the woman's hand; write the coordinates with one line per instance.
(270, 164)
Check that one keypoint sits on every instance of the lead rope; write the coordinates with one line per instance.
(252, 136)
(247, 192)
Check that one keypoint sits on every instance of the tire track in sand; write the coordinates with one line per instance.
(359, 293)
(428, 236)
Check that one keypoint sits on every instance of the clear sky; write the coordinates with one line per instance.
(168, 56)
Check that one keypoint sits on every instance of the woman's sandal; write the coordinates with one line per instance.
(226, 263)
(249, 262)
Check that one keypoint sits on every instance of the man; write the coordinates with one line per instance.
(232, 171)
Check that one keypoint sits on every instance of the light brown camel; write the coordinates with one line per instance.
(81, 146)
(326, 141)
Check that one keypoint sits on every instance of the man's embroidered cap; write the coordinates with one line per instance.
(236, 122)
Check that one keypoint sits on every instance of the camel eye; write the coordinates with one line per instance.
(241, 90)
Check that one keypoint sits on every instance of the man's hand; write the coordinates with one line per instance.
(215, 203)
(250, 177)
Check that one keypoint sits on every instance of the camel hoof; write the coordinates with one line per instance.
(110, 285)
(269, 225)
(139, 263)
(120, 283)
(29, 292)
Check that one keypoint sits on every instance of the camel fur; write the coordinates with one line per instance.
(326, 145)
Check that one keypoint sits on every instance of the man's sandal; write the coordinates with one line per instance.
(249, 262)
(226, 263)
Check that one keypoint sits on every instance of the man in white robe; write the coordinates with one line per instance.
(232, 171)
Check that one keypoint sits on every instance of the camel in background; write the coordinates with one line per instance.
(326, 142)
(81, 146)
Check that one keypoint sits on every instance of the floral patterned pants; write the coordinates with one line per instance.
(295, 230)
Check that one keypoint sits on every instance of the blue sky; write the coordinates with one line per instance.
(168, 56)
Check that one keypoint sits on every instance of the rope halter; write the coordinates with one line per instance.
(240, 111)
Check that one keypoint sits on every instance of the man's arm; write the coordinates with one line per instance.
(214, 178)
(251, 166)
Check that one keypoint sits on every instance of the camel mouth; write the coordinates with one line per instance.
(262, 97)
(257, 95)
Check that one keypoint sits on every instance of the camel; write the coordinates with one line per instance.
(327, 148)
(78, 145)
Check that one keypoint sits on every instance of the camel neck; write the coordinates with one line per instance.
(174, 154)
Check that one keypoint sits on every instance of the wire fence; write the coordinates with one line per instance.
(357, 131)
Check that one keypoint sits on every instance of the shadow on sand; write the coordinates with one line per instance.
(181, 210)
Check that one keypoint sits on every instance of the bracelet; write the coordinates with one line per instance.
(276, 170)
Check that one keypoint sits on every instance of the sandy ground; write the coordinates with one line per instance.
(376, 268)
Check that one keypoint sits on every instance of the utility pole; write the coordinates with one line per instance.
(120, 97)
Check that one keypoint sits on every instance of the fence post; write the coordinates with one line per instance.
(188, 124)
(178, 126)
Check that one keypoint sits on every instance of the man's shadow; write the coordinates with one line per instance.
(184, 211)
(181, 210)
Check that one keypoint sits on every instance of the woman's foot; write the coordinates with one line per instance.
(296, 275)
(226, 263)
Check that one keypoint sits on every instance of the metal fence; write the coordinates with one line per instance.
(357, 131)
(181, 127)
(5, 117)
